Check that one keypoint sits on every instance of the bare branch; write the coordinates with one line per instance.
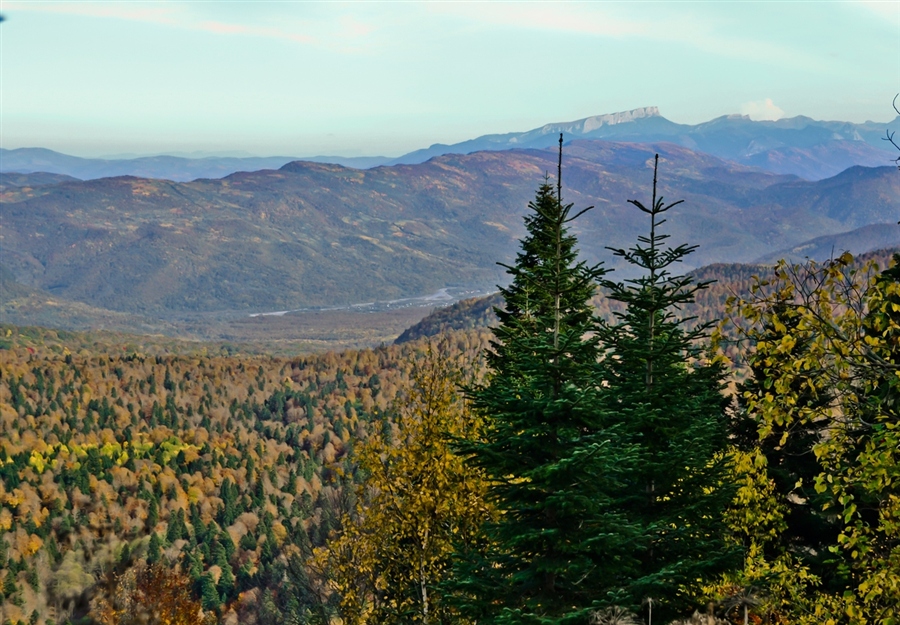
(890, 134)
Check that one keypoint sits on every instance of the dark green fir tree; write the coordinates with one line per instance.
(209, 596)
(152, 512)
(154, 550)
(9, 584)
(227, 543)
(193, 565)
(176, 528)
(664, 393)
(559, 548)
(226, 585)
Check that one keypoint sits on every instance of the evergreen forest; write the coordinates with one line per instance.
(661, 448)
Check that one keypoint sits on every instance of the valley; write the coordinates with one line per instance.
(183, 259)
(198, 373)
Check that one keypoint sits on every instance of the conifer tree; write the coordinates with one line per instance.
(558, 548)
(665, 397)
(218, 555)
(209, 596)
(9, 584)
(154, 550)
(193, 565)
(176, 528)
(227, 543)
(226, 583)
(152, 513)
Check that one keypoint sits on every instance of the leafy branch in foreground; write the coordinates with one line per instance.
(823, 406)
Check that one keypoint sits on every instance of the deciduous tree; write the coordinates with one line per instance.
(150, 595)
(834, 398)
(417, 499)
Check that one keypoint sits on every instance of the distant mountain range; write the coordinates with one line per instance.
(317, 235)
(801, 146)
(177, 168)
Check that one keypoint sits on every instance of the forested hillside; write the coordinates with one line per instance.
(727, 280)
(232, 467)
(601, 455)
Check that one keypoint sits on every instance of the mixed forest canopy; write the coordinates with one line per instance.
(607, 453)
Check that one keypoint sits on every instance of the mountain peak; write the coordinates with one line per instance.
(611, 119)
(588, 124)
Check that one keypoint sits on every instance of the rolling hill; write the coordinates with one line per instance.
(179, 168)
(727, 280)
(861, 240)
(319, 235)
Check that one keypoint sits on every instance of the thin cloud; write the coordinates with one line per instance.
(887, 9)
(559, 17)
(762, 110)
(223, 28)
(164, 14)
(701, 32)
(168, 14)
(352, 27)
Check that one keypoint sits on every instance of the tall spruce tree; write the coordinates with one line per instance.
(559, 546)
(666, 398)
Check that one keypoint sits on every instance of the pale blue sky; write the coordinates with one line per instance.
(365, 78)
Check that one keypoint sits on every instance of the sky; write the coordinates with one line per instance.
(384, 78)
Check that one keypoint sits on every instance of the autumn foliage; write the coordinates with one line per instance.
(228, 468)
(418, 501)
(150, 595)
(264, 490)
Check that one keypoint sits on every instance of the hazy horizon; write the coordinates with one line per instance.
(200, 154)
